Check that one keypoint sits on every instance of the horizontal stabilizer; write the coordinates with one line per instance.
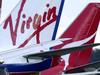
(93, 66)
(85, 73)
(60, 52)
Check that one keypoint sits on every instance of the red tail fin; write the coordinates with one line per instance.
(84, 26)
(82, 31)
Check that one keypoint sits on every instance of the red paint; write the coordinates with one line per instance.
(28, 22)
(51, 13)
(37, 31)
(47, 18)
(36, 21)
(84, 26)
(44, 16)
(88, 21)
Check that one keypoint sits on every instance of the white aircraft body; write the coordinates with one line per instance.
(27, 27)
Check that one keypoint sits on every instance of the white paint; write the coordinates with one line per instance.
(80, 42)
(16, 55)
(31, 7)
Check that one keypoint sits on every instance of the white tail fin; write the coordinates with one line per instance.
(31, 22)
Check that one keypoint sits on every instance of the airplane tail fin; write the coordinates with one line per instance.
(86, 25)
(29, 23)
(82, 31)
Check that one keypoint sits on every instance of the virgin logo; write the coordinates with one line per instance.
(35, 20)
